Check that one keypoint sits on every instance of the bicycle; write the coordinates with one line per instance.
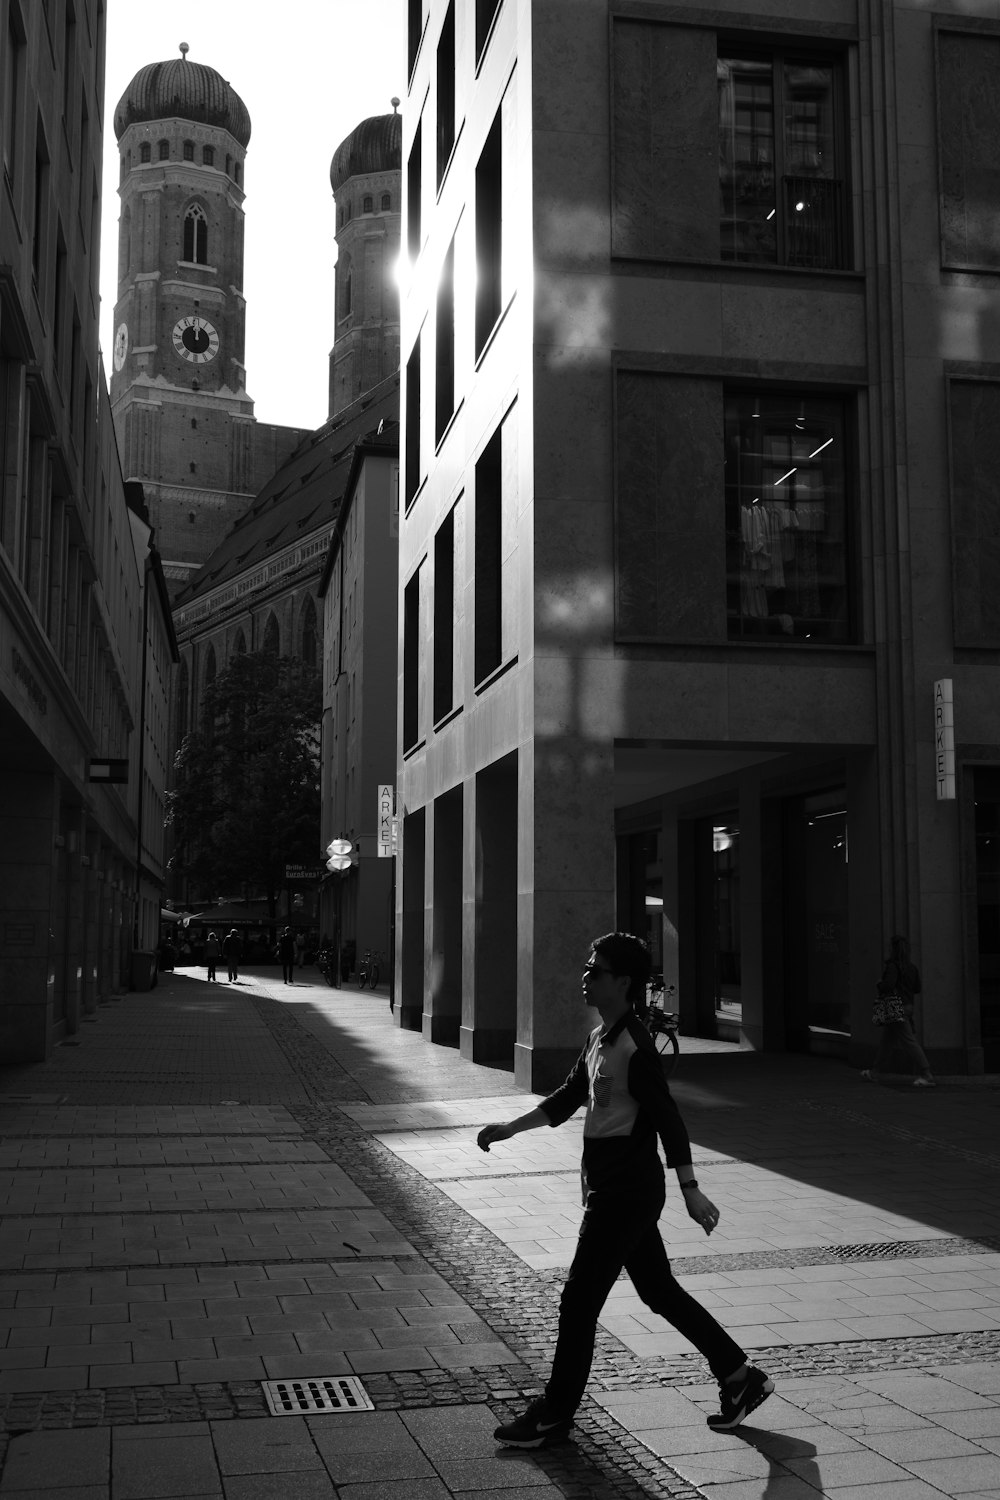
(368, 970)
(662, 1024)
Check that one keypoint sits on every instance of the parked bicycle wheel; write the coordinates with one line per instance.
(666, 1043)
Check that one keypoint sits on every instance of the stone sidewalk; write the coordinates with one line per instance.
(218, 1186)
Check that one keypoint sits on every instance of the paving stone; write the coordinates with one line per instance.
(51, 1459)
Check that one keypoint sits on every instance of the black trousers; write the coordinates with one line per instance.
(617, 1232)
(286, 973)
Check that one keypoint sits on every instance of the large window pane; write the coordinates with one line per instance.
(786, 518)
(781, 192)
(746, 160)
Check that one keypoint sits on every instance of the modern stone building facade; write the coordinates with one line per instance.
(700, 342)
(185, 422)
(74, 689)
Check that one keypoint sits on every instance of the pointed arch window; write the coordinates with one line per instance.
(210, 666)
(307, 631)
(271, 643)
(196, 235)
(183, 692)
(240, 644)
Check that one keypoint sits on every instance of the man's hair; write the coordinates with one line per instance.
(625, 954)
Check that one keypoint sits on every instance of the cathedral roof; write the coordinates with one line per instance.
(178, 89)
(376, 145)
(302, 497)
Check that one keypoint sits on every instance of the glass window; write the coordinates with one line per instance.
(208, 156)
(164, 150)
(144, 151)
(783, 195)
(786, 517)
(189, 150)
(386, 202)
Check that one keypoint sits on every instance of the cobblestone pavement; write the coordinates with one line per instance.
(215, 1186)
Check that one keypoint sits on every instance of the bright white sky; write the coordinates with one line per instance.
(308, 72)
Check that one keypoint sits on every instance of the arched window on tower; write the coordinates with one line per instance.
(271, 642)
(144, 151)
(367, 204)
(164, 150)
(346, 288)
(183, 700)
(236, 174)
(386, 202)
(208, 156)
(196, 236)
(307, 632)
(188, 152)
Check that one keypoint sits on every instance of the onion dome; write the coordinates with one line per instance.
(186, 91)
(376, 145)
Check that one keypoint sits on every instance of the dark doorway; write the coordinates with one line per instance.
(987, 799)
(817, 937)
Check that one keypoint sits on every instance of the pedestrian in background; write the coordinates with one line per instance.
(232, 948)
(286, 954)
(618, 1076)
(213, 952)
(900, 977)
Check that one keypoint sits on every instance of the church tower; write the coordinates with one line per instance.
(184, 421)
(365, 175)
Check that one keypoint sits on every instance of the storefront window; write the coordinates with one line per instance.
(786, 518)
(827, 996)
(728, 946)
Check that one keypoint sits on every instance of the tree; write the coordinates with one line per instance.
(246, 800)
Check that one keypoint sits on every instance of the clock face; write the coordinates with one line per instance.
(121, 345)
(196, 340)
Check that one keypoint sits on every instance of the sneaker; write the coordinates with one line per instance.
(534, 1428)
(740, 1398)
(869, 1074)
(924, 1083)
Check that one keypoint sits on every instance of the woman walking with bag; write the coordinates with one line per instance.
(894, 1013)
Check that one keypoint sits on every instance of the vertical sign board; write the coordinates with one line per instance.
(944, 740)
(386, 801)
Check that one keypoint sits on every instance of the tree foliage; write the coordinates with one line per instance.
(246, 799)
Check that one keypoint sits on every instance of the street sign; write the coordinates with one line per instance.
(386, 802)
(944, 740)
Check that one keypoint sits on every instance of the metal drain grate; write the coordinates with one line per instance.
(288, 1398)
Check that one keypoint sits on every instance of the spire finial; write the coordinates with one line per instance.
(395, 103)
(185, 49)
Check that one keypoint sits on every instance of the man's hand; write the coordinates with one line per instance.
(491, 1133)
(702, 1209)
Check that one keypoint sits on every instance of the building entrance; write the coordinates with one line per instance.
(817, 938)
(987, 800)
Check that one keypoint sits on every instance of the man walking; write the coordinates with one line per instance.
(286, 955)
(619, 1078)
(232, 949)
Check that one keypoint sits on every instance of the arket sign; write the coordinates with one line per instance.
(944, 740)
